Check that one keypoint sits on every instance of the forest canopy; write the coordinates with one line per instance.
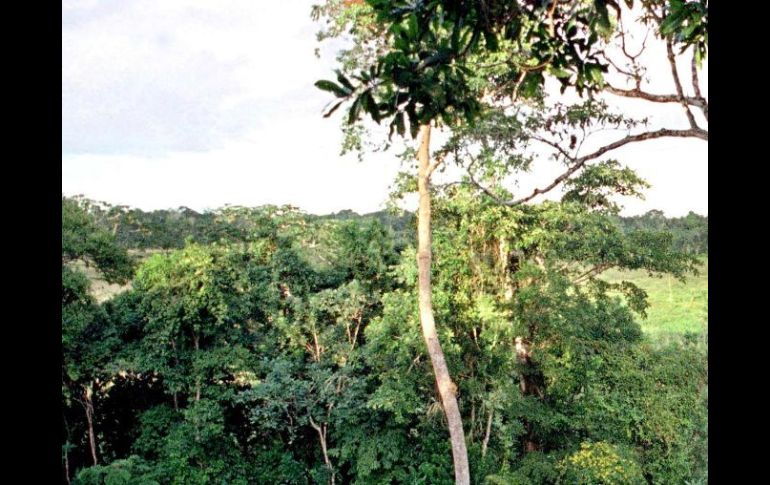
(287, 350)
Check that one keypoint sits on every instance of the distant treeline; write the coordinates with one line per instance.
(170, 228)
(689, 233)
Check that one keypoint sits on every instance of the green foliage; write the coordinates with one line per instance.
(600, 463)
(130, 471)
(596, 183)
(686, 23)
(689, 233)
(427, 64)
(239, 355)
(82, 239)
(535, 467)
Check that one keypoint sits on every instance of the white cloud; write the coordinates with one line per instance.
(154, 77)
(211, 102)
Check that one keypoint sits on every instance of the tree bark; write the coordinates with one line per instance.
(66, 450)
(89, 407)
(447, 389)
(321, 430)
(487, 434)
(67, 464)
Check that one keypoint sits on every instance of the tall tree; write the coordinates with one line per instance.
(430, 66)
(87, 339)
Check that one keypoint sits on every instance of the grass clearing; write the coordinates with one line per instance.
(675, 308)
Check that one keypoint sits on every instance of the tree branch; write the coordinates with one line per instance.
(678, 83)
(655, 98)
(596, 270)
(696, 87)
(578, 163)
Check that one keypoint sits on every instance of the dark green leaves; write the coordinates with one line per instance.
(354, 110)
(430, 67)
(370, 106)
(603, 16)
(687, 24)
(399, 121)
(332, 88)
(343, 80)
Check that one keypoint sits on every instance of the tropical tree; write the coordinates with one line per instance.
(450, 63)
(87, 339)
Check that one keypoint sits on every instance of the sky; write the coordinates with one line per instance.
(207, 103)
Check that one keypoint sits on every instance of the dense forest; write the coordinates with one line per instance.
(277, 347)
(171, 228)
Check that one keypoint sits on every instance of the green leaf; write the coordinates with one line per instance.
(355, 108)
(603, 20)
(412, 26)
(455, 40)
(491, 39)
(370, 106)
(594, 72)
(560, 73)
(332, 87)
(399, 121)
(343, 80)
(698, 57)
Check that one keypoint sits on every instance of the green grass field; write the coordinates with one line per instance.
(675, 307)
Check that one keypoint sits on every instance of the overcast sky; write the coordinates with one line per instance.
(203, 103)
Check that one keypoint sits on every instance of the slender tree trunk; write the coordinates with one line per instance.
(321, 430)
(89, 407)
(67, 464)
(472, 427)
(66, 450)
(487, 434)
(447, 389)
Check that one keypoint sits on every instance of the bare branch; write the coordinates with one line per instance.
(696, 87)
(515, 93)
(678, 83)
(637, 78)
(632, 57)
(595, 271)
(581, 161)
(481, 187)
(556, 146)
(436, 163)
(655, 98)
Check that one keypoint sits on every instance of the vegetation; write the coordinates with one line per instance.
(676, 307)
(243, 361)
(500, 342)
(478, 70)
